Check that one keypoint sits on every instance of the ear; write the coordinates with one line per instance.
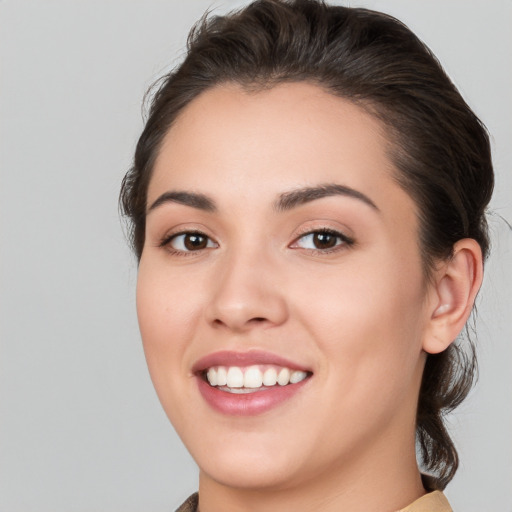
(456, 284)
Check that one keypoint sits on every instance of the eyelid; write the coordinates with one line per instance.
(181, 228)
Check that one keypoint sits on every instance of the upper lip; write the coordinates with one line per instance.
(249, 358)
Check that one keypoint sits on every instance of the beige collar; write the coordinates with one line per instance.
(432, 502)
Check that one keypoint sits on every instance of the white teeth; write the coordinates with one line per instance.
(239, 391)
(235, 377)
(242, 380)
(284, 377)
(295, 377)
(270, 377)
(221, 376)
(212, 377)
(253, 377)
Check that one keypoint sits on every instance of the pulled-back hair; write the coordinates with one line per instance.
(439, 147)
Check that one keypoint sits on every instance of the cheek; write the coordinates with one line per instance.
(164, 305)
(165, 318)
(167, 321)
(368, 336)
(367, 319)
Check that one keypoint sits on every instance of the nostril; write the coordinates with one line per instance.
(252, 321)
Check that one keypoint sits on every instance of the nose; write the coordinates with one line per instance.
(247, 293)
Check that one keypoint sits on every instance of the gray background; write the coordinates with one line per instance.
(80, 426)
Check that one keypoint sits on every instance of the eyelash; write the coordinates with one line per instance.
(342, 242)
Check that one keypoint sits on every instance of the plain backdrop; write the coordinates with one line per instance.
(81, 429)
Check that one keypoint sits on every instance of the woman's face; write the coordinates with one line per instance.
(278, 245)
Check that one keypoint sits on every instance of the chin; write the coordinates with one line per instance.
(250, 475)
(251, 467)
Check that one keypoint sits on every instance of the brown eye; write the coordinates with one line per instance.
(193, 242)
(188, 242)
(322, 240)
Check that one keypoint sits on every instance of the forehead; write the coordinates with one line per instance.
(273, 140)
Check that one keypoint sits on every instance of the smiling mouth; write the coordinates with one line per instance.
(251, 379)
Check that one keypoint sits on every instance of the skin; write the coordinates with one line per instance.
(359, 316)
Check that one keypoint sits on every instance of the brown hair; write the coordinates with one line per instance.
(440, 148)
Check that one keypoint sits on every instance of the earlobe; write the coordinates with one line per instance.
(454, 291)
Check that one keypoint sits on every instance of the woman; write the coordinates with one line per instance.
(308, 207)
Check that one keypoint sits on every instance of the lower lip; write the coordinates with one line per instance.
(247, 404)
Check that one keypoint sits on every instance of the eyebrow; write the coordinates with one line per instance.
(199, 201)
(295, 198)
(285, 202)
